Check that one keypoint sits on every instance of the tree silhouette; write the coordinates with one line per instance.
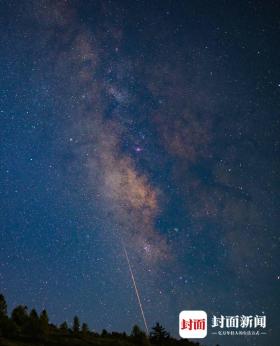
(33, 314)
(139, 337)
(85, 329)
(136, 331)
(44, 323)
(159, 334)
(76, 325)
(3, 306)
(8, 328)
(64, 327)
(32, 326)
(104, 332)
(20, 315)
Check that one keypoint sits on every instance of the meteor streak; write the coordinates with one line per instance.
(135, 286)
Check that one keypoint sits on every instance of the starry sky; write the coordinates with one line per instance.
(152, 123)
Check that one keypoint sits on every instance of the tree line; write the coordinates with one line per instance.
(22, 324)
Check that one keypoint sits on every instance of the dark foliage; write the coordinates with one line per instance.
(76, 325)
(3, 306)
(33, 329)
(159, 335)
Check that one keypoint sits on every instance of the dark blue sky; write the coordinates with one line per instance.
(155, 122)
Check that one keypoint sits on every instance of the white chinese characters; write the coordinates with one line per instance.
(239, 321)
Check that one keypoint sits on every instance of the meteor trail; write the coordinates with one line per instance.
(135, 287)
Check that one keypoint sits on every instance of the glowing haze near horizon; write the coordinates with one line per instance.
(154, 122)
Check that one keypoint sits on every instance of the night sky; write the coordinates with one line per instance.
(152, 123)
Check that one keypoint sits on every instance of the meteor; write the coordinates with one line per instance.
(135, 287)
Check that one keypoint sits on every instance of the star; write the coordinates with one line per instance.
(138, 149)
